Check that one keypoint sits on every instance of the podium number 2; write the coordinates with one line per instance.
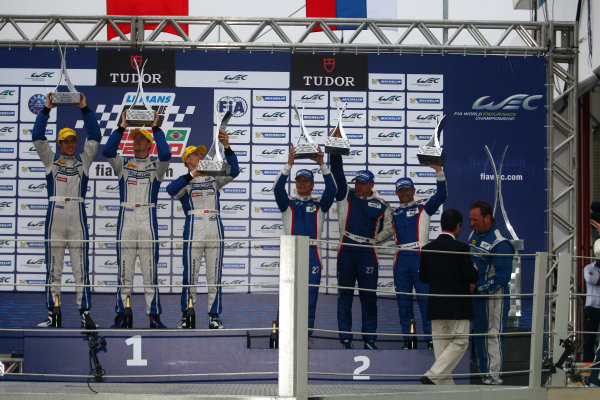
(365, 364)
(136, 361)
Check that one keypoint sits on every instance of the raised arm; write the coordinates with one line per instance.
(90, 148)
(281, 197)
(440, 194)
(337, 170)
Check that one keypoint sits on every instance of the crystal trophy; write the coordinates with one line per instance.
(214, 162)
(337, 142)
(72, 97)
(514, 285)
(139, 115)
(432, 152)
(305, 146)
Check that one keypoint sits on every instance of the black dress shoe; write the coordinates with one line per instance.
(426, 381)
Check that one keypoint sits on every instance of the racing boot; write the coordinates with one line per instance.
(118, 321)
(370, 345)
(215, 322)
(86, 321)
(48, 322)
(347, 343)
(155, 322)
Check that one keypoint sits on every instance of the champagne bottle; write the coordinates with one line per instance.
(274, 339)
(127, 314)
(56, 313)
(190, 315)
(412, 342)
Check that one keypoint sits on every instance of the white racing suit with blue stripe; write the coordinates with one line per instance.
(491, 313)
(411, 228)
(199, 197)
(137, 226)
(66, 220)
(364, 221)
(304, 216)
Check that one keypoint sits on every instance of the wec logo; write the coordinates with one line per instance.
(514, 102)
(238, 77)
(42, 74)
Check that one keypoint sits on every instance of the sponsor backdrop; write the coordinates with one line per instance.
(392, 105)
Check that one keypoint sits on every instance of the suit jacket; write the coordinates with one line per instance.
(448, 274)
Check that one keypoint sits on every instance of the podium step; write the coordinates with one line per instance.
(220, 356)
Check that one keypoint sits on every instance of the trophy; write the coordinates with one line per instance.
(432, 152)
(139, 115)
(306, 148)
(72, 97)
(337, 142)
(214, 161)
(514, 285)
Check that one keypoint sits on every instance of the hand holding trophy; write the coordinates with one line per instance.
(214, 162)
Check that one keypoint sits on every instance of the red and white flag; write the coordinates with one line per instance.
(147, 7)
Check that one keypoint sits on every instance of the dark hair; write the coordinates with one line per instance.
(450, 219)
(484, 207)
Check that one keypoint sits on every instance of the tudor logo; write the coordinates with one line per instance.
(329, 64)
(135, 59)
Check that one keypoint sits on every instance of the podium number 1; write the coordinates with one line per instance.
(136, 361)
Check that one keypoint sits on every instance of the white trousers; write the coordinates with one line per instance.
(448, 350)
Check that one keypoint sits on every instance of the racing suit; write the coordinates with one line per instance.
(139, 182)
(199, 197)
(365, 221)
(66, 220)
(411, 227)
(491, 313)
(305, 216)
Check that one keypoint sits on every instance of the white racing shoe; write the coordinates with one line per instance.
(215, 322)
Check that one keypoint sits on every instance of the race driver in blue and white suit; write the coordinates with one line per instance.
(365, 220)
(137, 226)
(304, 215)
(66, 220)
(411, 228)
(494, 269)
(199, 195)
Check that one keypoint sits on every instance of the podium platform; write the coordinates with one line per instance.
(206, 357)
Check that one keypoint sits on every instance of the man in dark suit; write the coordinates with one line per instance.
(448, 274)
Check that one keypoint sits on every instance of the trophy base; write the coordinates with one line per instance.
(214, 168)
(139, 117)
(65, 98)
(435, 155)
(426, 159)
(306, 150)
(335, 145)
(342, 151)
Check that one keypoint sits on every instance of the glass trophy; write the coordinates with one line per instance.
(214, 162)
(305, 146)
(431, 151)
(514, 285)
(337, 142)
(72, 97)
(142, 114)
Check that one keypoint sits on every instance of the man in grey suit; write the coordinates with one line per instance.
(448, 274)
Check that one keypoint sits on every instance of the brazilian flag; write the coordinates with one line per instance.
(176, 135)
